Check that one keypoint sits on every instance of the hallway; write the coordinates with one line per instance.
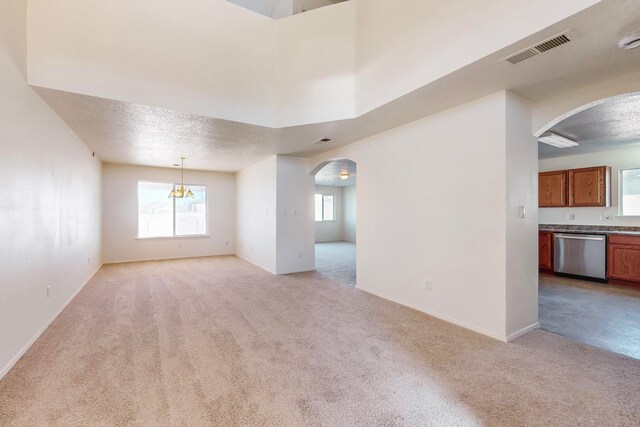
(337, 261)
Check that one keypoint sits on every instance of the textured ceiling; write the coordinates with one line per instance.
(609, 125)
(330, 174)
(127, 133)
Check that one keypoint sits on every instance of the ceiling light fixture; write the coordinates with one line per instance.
(630, 42)
(344, 175)
(551, 138)
(181, 192)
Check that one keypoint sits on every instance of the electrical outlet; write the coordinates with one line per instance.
(49, 290)
(227, 243)
(571, 217)
(89, 260)
(605, 217)
(427, 285)
(300, 255)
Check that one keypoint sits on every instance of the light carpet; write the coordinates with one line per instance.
(217, 341)
(336, 261)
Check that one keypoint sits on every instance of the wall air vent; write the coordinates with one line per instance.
(539, 48)
(322, 141)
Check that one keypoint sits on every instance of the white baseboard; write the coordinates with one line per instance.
(127, 261)
(523, 331)
(461, 323)
(242, 257)
(24, 349)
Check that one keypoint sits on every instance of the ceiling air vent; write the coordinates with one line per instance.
(539, 48)
(554, 42)
(322, 141)
(521, 56)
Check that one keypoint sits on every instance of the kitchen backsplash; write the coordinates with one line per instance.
(601, 228)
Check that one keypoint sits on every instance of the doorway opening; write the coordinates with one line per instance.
(335, 220)
(589, 219)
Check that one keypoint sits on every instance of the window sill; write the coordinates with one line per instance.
(192, 236)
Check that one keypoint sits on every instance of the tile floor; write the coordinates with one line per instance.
(602, 315)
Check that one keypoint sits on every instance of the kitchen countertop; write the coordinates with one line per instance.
(590, 229)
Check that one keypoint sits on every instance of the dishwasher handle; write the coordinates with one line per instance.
(579, 237)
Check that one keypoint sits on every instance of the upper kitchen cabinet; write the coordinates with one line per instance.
(590, 187)
(552, 189)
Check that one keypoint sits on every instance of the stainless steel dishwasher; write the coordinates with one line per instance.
(580, 254)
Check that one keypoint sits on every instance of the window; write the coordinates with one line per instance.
(324, 207)
(629, 192)
(162, 216)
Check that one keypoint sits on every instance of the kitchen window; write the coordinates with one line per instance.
(325, 207)
(629, 190)
(163, 216)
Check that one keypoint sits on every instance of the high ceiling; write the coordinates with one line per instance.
(121, 132)
(279, 9)
(330, 174)
(612, 124)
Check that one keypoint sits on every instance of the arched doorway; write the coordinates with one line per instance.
(335, 220)
(580, 295)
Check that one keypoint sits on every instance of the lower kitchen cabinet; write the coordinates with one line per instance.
(545, 250)
(624, 258)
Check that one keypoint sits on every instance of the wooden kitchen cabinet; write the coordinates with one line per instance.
(590, 187)
(545, 251)
(623, 258)
(552, 189)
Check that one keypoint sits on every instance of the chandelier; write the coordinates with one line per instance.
(181, 192)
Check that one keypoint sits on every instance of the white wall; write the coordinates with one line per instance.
(120, 215)
(399, 249)
(522, 233)
(349, 214)
(275, 215)
(210, 57)
(418, 41)
(331, 231)
(50, 214)
(256, 214)
(295, 232)
(213, 58)
(617, 159)
(217, 59)
(452, 226)
(316, 65)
